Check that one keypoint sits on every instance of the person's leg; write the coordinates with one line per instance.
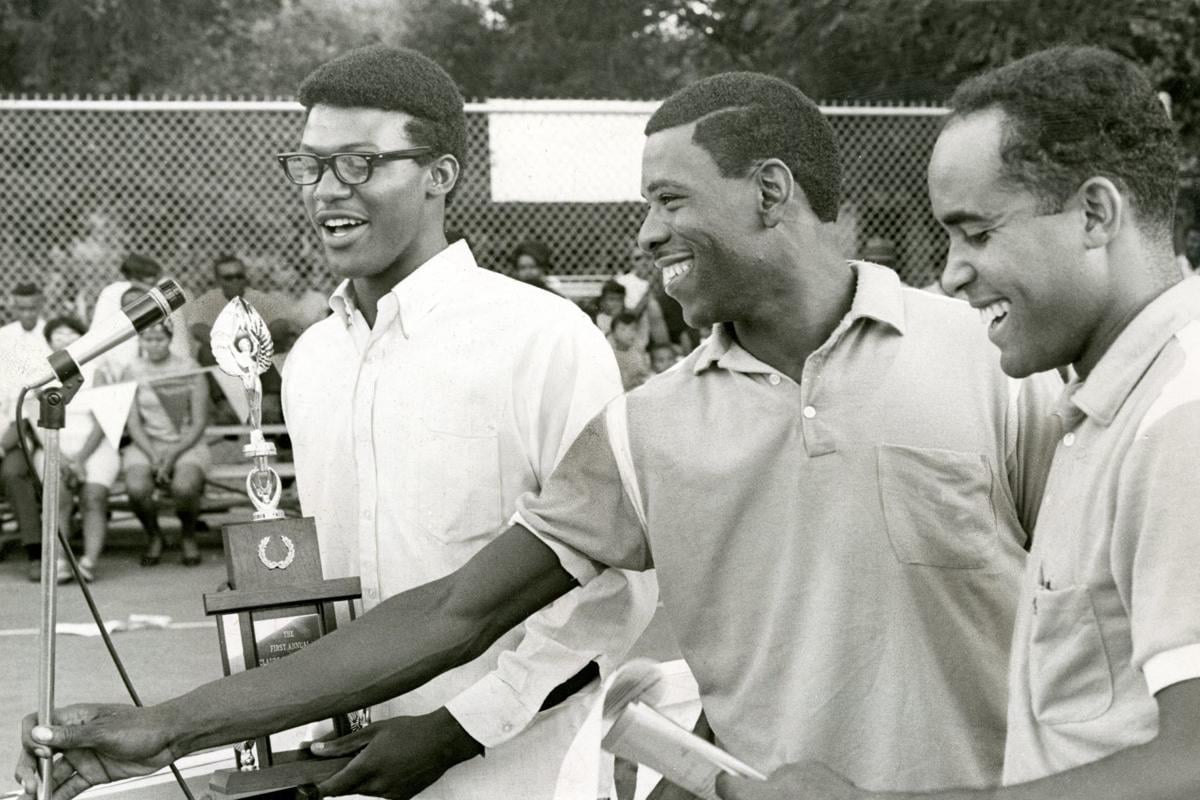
(139, 484)
(187, 487)
(22, 497)
(93, 499)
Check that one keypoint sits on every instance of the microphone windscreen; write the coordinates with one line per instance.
(172, 292)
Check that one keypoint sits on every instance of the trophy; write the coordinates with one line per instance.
(278, 600)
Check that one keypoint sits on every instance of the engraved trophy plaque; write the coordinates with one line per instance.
(278, 600)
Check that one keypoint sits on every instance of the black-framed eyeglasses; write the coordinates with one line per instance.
(352, 169)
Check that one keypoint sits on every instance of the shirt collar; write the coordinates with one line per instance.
(1117, 373)
(878, 295)
(413, 298)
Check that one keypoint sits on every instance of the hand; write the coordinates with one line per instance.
(99, 743)
(73, 470)
(163, 467)
(800, 781)
(397, 758)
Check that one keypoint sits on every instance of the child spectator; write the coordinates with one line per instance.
(609, 304)
(631, 359)
(663, 357)
(166, 424)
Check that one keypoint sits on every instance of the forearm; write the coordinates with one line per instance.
(90, 444)
(1153, 771)
(396, 647)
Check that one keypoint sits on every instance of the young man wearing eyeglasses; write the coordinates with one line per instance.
(434, 395)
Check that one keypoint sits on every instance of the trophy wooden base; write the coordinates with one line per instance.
(295, 780)
(278, 602)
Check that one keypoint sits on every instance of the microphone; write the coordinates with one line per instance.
(151, 308)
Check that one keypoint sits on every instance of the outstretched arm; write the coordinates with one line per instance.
(397, 646)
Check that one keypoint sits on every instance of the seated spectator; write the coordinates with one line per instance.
(166, 424)
(631, 357)
(663, 357)
(232, 280)
(89, 463)
(304, 305)
(609, 304)
(531, 264)
(21, 343)
(139, 274)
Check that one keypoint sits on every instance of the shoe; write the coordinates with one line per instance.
(35, 572)
(191, 552)
(87, 570)
(62, 571)
(153, 553)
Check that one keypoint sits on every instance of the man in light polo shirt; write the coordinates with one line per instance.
(1055, 178)
(834, 489)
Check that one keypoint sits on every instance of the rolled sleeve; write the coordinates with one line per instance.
(1171, 667)
(583, 512)
(582, 569)
(559, 388)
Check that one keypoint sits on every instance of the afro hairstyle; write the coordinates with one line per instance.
(745, 117)
(394, 79)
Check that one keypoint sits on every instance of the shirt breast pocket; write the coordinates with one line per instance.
(1069, 675)
(459, 492)
(937, 506)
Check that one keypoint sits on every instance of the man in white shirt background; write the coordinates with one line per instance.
(21, 342)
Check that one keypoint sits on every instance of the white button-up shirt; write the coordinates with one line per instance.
(412, 441)
(21, 352)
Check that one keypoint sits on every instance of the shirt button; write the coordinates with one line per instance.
(809, 412)
(1069, 439)
(372, 593)
(774, 379)
(506, 727)
(366, 515)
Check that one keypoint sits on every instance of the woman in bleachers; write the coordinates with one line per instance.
(89, 462)
(166, 424)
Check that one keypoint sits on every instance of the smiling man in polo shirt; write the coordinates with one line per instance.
(834, 489)
(1056, 178)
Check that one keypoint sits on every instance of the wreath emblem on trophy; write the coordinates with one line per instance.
(270, 564)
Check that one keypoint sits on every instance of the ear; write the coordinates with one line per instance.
(443, 175)
(776, 188)
(1103, 211)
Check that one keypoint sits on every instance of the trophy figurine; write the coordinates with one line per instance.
(277, 600)
(241, 344)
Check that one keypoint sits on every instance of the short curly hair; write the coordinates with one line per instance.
(1072, 113)
(63, 321)
(394, 79)
(745, 117)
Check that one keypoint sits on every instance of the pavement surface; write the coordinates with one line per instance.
(161, 662)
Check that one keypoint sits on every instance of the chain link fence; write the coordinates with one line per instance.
(85, 182)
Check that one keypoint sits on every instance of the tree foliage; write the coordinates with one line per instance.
(921, 49)
(834, 49)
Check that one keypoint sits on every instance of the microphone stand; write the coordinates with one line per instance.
(52, 414)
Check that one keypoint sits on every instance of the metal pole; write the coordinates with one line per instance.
(50, 490)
